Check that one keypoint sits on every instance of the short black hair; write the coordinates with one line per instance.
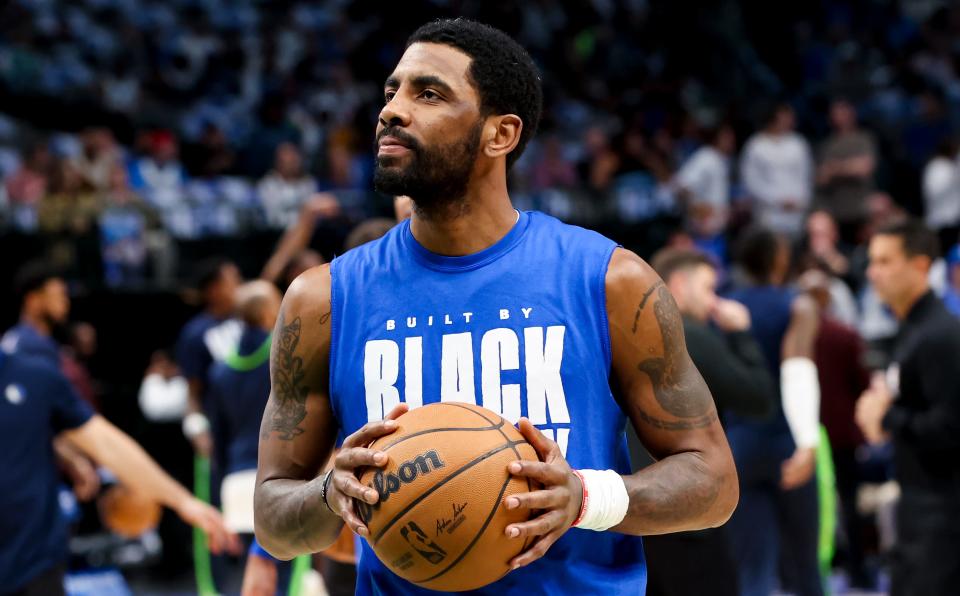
(503, 73)
(917, 238)
(756, 252)
(668, 261)
(208, 272)
(31, 277)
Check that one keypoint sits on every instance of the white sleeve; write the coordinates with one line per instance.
(800, 394)
(162, 400)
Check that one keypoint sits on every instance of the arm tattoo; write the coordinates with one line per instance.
(700, 422)
(643, 303)
(674, 384)
(289, 390)
(326, 316)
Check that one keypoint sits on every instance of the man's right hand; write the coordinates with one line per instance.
(730, 316)
(344, 486)
(201, 515)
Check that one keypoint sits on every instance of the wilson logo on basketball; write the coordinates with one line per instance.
(391, 482)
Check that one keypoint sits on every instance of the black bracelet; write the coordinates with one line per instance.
(323, 489)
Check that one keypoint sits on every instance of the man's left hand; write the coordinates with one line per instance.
(798, 469)
(871, 408)
(559, 497)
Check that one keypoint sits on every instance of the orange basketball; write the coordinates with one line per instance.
(126, 512)
(440, 520)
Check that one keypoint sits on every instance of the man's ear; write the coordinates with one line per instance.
(922, 262)
(501, 134)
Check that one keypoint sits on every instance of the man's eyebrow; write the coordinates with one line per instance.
(420, 82)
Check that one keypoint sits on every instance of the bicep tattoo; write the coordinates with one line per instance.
(677, 386)
(289, 391)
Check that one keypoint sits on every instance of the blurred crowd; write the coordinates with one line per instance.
(131, 127)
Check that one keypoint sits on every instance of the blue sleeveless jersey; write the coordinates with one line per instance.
(519, 328)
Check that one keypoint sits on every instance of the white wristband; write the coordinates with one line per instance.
(800, 394)
(195, 424)
(605, 500)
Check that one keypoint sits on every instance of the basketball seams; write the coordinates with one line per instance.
(436, 487)
(438, 430)
(500, 430)
(472, 411)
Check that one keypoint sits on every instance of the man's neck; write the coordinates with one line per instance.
(39, 324)
(218, 312)
(486, 217)
(902, 310)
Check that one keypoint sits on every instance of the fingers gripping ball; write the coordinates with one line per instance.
(440, 520)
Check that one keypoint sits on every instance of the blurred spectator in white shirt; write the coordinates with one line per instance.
(159, 177)
(704, 183)
(285, 189)
(941, 193)
(777, 170)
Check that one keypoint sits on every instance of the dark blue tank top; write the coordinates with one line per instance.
(760, 447)
(519, 328)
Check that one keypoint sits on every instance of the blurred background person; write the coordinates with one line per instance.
(39, 406)
(840, 357)
(207, 337)
(239, 386)
(704, 183)
(847, 161)
(775, 528)
(286, 188)
(777, 172)
(941, 193)
(717, 333)
(917, 406)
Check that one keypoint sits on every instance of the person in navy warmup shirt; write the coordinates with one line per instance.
(461, 286)
(37, 404)
(206, 338)
(44, 306)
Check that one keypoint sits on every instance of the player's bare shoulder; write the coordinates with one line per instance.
(631, 284)
(304, 322)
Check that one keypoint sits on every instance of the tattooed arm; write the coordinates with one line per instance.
(693, 485)
(298, 433)
(298, 430)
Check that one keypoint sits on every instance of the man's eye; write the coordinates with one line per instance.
(428, 94)
(388, 96)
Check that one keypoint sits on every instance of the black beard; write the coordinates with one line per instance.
(436, 178)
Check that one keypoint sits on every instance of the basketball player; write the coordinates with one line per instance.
(205, 339)
(552, 326)
(776, 527)
(38, 404)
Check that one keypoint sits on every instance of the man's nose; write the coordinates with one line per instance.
(394, 113)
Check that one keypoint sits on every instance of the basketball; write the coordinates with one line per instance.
(126, 512)
(440, 520)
